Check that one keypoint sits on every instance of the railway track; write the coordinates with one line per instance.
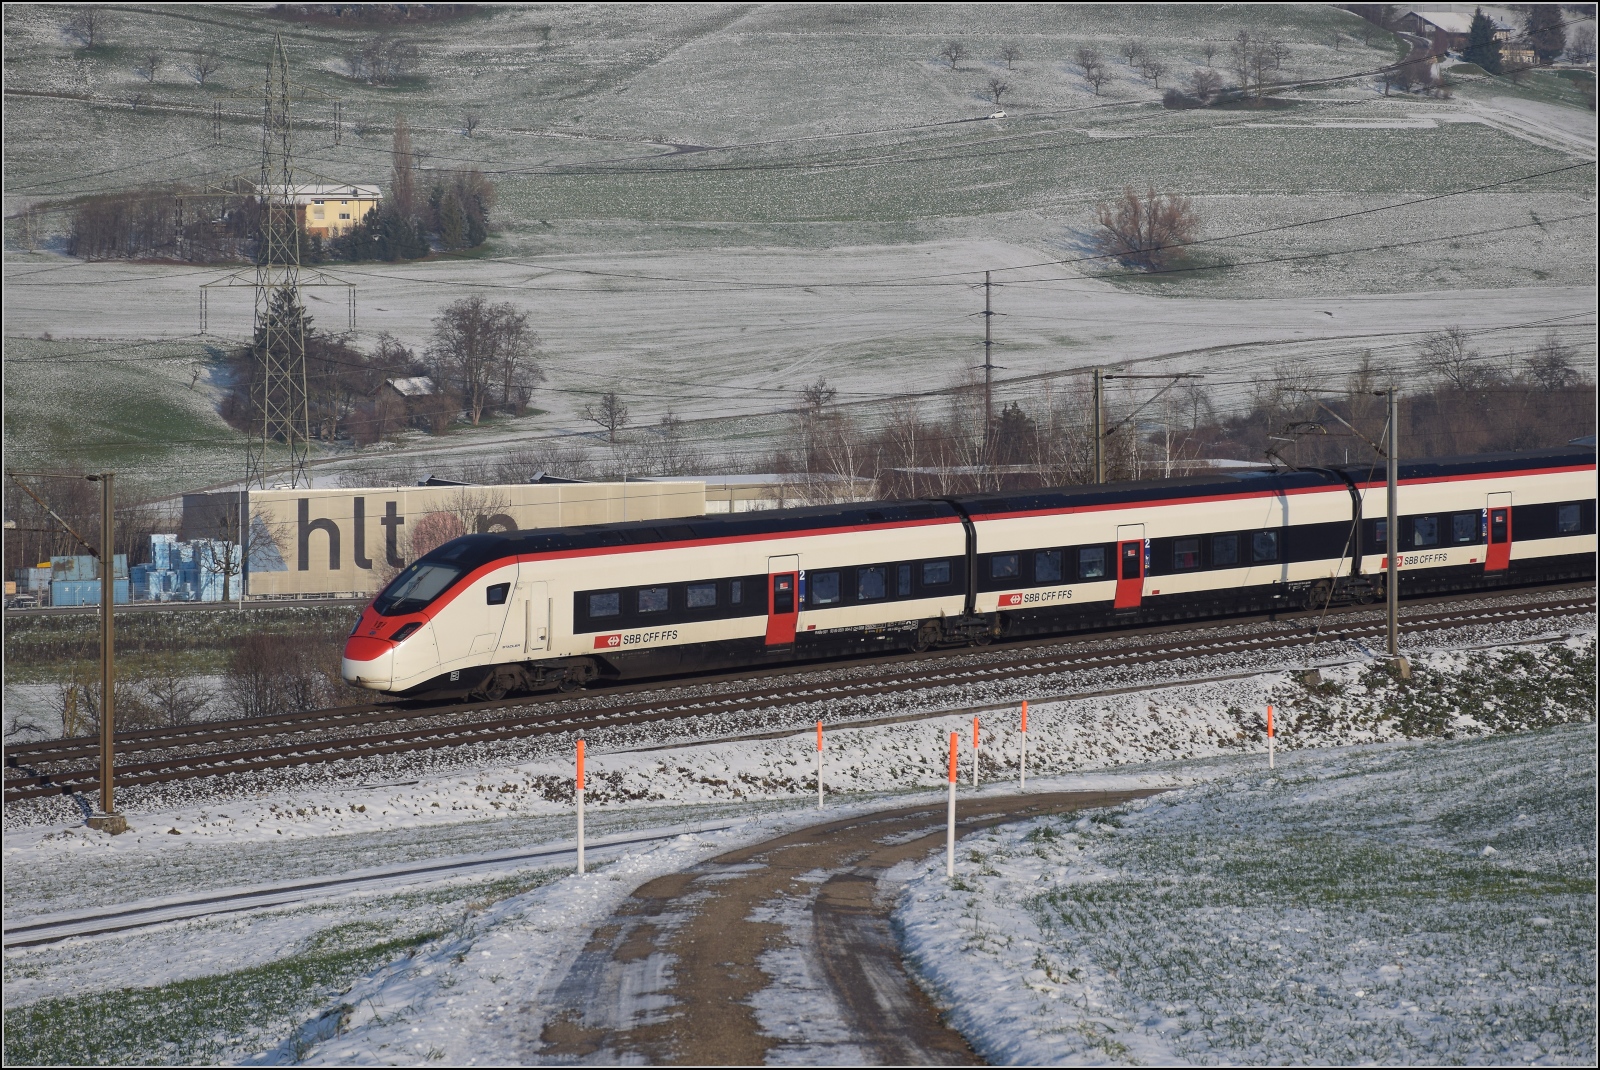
(158, 755)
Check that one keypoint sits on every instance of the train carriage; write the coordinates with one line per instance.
(489, 614)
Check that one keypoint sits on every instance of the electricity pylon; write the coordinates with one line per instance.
(279, 411)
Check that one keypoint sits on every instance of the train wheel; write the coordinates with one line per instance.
(927, 635)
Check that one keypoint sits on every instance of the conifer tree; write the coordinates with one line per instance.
(1482, 48)
(1546, 34)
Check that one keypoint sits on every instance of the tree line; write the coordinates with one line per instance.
(483, 358)
(424, 211)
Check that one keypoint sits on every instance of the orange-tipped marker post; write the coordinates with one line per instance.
(1023, 786)
(819, 765)
(974, 750)
(950, 827)
(580, 805)
(1271, 745)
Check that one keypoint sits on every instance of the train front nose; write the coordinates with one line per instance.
(368, 663)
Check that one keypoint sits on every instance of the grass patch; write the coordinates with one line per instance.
(202, 1020)
(42, 648)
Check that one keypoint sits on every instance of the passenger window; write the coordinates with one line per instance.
(1464, 527)
(1047, 566)
(824, 588)
(871, 584)
(1380, 535)
(1002, 566)
(1132, 558)
(1186, 553)
(1569, 518)
(735, 592)
(1264, 546)
(608, 604)
(935, 573)
(702, 595)
(902, 581)
(653, 600)
(498, 593)
(1425, 531)
(1092, 563)
(1224, 550)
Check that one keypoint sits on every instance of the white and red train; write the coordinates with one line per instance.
(485, 615)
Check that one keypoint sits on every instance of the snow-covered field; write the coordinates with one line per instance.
(1410, 904)
(735, 341)
(281, 967)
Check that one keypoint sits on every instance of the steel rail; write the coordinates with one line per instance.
(293, 752)
(151, 738)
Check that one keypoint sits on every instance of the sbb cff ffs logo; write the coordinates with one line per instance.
(605, 642)
(1010, 600)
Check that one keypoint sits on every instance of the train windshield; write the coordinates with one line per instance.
(414, 588)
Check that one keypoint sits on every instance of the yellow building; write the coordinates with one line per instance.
(327, 211)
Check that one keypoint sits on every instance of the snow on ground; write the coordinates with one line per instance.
(1186, 729)
(868, 319)
(1399, 904)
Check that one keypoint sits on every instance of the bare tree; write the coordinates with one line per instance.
(205, 65)
(1239, 57)
(1209, 51)
(1451, 356)
(487, 352)
(1145, 230)
(1553, 364)
(173, 696)
(1397, 78)
(152, 64)
(998, 88)
(817, 397)
(1154, 70)
(1009, 54)
(1205, 84)
(1279, 51)
(1093, 66)
(403, 170)
(953, 53)
(666, 449)
(86, 24)
(1580, 44)
(382, 60)
(1133, 50)
(470, 121)
(610, 412)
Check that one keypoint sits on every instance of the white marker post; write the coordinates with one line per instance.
(974, 750)
(1271, 757)
(580, 805)
(950, 826)
(1023, 786)
(819, 765)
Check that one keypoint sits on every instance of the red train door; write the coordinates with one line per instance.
(1130, 566)
(1497, 556)
(783, 599)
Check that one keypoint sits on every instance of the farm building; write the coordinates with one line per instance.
(1448, 29)
(327, 211)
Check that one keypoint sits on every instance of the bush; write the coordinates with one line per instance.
(276, 674)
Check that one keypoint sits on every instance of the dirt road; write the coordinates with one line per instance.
(777, 952)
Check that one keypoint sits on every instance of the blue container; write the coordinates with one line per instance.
(85, 593)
